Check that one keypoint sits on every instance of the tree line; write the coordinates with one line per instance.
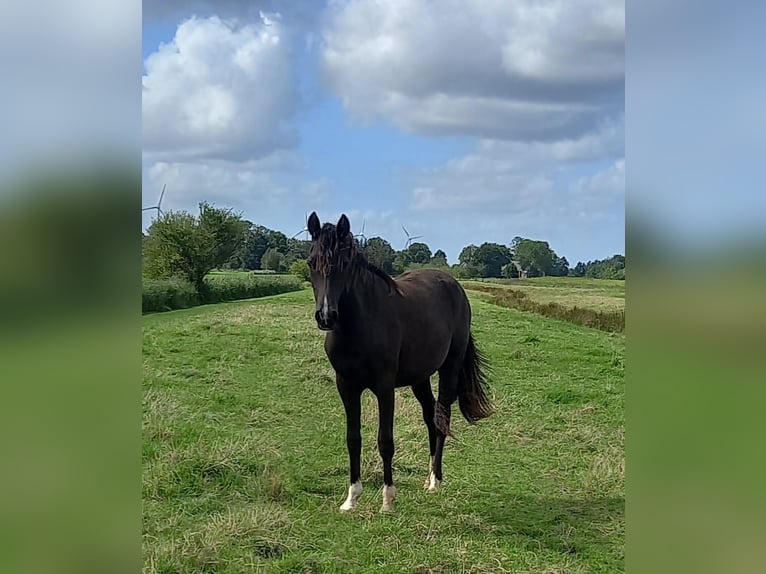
(181, 244)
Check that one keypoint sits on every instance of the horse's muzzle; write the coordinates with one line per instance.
(326, 321)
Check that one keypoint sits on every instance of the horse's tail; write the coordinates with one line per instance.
(472, 385)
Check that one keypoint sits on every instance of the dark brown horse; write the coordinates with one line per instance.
(384, 333)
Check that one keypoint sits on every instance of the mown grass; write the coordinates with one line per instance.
(169, 294)
(581, 292)
(245, 462)
(612, 320)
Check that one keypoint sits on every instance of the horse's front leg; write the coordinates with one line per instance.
(386, 444)
(351, 397)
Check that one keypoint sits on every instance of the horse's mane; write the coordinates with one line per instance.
(348, 252)
(377, 271)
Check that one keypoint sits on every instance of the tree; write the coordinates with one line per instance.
(273, 260)
(491, 257)
(419, 252)
(510, 271)
(300, 268)
(469, 262)
(535, 257)
(560, 267)
(380, 252)
(296, 249)
(256, 244)
(612, 268)
(183, 245)
(401, 262)
(468, 255)
(439, 259)
(578, 270)
(278, 241)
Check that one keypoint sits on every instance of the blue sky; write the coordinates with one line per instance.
(480, 123)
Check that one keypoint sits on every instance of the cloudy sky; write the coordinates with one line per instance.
(464, 121)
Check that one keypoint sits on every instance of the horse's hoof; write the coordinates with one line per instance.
(354, 492)
(432, 483)
(389, 493)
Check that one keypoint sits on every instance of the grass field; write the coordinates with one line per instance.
(596, 294)
(245, 461)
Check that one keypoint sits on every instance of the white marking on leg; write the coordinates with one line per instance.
(434, 484)
(389, 493)
(427, 483)
(354, 492)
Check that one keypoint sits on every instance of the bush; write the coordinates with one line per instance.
(249, 286)
(300, 268)
(169, 294)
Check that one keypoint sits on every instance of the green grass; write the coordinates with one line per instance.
(585, 293)
(245, 462)
(612, 320)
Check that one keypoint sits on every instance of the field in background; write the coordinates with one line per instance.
(245, 462)
(583, 302)
(596, 294)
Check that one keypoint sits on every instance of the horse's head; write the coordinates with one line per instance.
(332, 253)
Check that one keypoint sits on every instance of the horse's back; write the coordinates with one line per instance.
(433, 288)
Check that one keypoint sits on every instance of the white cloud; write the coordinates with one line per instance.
(459, 191)
(490, 68)
(521, 178)
(603, 185)
(250, 184)
(223, 183)
(299, 12)
(220, 89)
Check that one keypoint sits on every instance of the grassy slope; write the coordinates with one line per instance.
(597, 294)
(245, 461)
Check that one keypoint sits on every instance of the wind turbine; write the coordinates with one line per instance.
(305, 228)
(159, 203)
(361, 233)
(410, 238)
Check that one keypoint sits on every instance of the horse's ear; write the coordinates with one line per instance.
(343, 228)
(313, 225)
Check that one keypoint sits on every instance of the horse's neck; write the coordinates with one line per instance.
(362, 301)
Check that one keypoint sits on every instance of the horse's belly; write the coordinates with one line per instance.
(418, 362)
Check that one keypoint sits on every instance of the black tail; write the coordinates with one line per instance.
(472, 385)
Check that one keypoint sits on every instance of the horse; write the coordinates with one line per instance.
(383, 333)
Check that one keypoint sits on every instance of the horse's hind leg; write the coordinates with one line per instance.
(448, 388)
(425, 397)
